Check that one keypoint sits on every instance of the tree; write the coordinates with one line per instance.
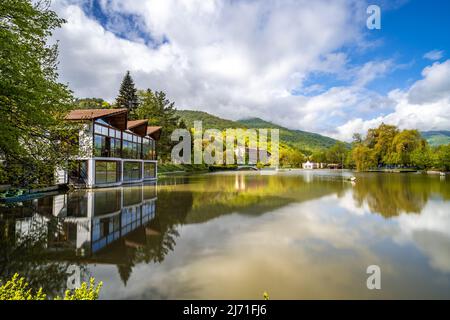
(441, 157)
(337, 153)
(404, 144)
(291, 157)
(380, 141)
(32, 101)
(363, 157)
(422, 158)
(159, 111)
(127, 97)
(357, 138)
(319, 156)
(92, 103)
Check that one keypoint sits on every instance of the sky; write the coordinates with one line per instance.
(308, 65)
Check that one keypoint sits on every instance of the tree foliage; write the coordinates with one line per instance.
(386, 145)
(127, 97)
(154, 106)
(32, 101)
(92, 103)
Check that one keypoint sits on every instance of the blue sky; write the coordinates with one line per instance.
(310, 65)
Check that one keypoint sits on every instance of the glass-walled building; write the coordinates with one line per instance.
(113, 149)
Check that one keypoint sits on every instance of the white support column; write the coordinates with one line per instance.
(91, 173)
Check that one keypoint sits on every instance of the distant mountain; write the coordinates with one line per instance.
(436, 138)
(302, 140)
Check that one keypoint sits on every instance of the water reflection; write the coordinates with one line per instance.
(236, 235)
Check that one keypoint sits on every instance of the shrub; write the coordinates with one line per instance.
(18, 289)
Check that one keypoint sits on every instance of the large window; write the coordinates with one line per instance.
(131, 146)
(78, 171)
(149, 170)
(148, 149)
(107, 172)
(107, 141)
(132, 171)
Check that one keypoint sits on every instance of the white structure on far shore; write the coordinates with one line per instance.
(311, 165)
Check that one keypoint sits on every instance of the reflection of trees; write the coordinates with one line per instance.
(392, 194)
(152, 242)
(171, 208)
(253, 194)
(27, 255)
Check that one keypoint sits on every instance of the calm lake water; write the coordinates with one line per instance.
(295, 234)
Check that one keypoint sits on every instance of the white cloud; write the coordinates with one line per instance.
(242, 58)
(434, 55)
(425, 105)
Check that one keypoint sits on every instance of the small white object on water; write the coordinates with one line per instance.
(353, 179)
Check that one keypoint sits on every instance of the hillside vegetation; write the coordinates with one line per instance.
(306, 142)
(436, 138)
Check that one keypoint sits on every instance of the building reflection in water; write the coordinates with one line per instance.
(89, 220)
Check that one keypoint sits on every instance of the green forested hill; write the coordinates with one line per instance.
(436, 138)
(301, 140)
(208, 120)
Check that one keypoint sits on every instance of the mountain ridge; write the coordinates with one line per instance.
(305, 141)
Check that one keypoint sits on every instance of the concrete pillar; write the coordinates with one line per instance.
(91, 173)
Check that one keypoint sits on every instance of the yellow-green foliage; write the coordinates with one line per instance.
(18, 289)
(84, 292)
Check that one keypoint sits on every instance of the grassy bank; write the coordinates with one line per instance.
(170, 168)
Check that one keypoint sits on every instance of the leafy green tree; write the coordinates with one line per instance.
(441, 157)
(357, 138)
(319, 156)
(337, 153)
(32, 101)
(92, 103)
(380, 141)
(127, 97)
(291, 158)
(404, 144)
(159, 111)
(363, 157)
(422, 158)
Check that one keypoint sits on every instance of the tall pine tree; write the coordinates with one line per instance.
(127, 94)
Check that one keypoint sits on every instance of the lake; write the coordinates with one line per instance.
(295, 234)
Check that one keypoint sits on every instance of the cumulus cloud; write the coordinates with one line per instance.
(425, 105)
(235, 59)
